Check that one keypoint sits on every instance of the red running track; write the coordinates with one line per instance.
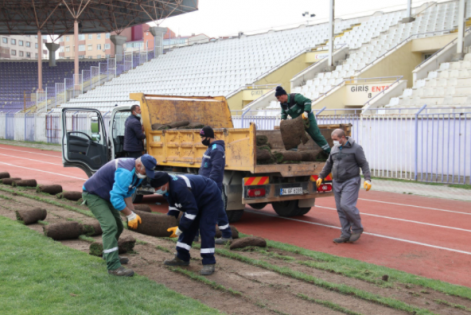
(424, 236)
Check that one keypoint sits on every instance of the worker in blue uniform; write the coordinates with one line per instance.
(212, 166)
(199, 199)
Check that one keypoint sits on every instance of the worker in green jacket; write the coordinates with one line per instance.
(295, 104)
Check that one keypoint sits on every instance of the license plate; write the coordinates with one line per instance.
(291, 191)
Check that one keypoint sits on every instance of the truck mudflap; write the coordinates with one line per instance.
(259, 190)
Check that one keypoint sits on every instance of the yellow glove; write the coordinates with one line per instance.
(367, 185)
(175, 231)
(319, 182)
(133, 220)
(305, 116)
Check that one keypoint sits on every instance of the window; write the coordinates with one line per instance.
(90, 47)
(81, 57)
(36, 45)
(107, 56)
(81, 37)
(98, 47)
(89, 57)
(107, 35)
(13, 41)
(81, 47)
(98, 36)
(28, 44)
(13, 52)
(107, 46)
(20, 43)
(36, 55)
(67, 48)
(28, 55)
(90, 36)
(4, 40)
(67, 38)
(98, 56)
(21, 54)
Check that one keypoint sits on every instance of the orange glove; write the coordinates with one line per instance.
(133, 220)
(305, 116)
(175, 231)
(367, 185)
(319, 182)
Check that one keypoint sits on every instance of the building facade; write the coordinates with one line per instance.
(20, 47)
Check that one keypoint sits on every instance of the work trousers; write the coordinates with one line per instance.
(111, 224)
(316, 134)
(205, 221)
(222, 219)
(346, 197)
(134, 154)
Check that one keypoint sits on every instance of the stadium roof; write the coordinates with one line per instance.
(94, 16)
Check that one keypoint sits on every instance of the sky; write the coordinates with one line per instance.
(217, 18)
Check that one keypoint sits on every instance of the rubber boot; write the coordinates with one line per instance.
(207, 270)
(341, 239)
(176, 262)
(121, 272)
(222, 241)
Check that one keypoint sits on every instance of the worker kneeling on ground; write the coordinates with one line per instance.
(295, 104)
(212, 166)
(107, 193)
(199, 199)
(345, 161)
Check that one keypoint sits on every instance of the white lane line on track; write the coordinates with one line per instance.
(19, 157)
(366, 233)
(403, 220)
(56, 156)
(33, 169)
(414, 206)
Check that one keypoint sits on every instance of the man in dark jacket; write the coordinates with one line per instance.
(212, 166)
(199, 199)
(345, 161)
(133, 133)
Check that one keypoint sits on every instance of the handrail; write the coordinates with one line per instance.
(383, 91)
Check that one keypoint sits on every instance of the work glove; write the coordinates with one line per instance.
(306, 115)
(133, 220)
(367, 185)
(175, 231)
(319, 182)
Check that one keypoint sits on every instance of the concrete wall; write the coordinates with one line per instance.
(40, 128)
(19, 127)
(432, 44)
(2, 126)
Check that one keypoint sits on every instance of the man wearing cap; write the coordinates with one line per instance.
(199, 199)
(212, 166)
(107, 194)
(295, 104)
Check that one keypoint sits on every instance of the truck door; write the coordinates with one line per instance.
(84, 140)
(117, 126)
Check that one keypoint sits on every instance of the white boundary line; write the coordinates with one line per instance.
(404, 220)
(32, 152)
(366, 233)
(33, 169)
(40, 161)
(414, 206)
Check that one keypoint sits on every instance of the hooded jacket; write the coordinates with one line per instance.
(133, 135)
(214, 162)
(345, 162)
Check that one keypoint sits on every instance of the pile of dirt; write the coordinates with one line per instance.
(155, 224)
(9, 181)
(49, 189)
(31, 216)
(185, 124)
(248, 241)
(143, 208)
(4, 175)
(91, 228)
(235, 232)
(125, 244)
(293, 132)
(63, 231)
(70, 195)
(25, 183)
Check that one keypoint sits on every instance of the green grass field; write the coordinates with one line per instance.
(40, 276)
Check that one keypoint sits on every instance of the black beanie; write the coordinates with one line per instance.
(207, 132)
(280, 91)
(160, 179)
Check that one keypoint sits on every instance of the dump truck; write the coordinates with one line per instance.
(289, 188)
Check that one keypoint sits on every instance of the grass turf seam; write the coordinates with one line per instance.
(328, 304)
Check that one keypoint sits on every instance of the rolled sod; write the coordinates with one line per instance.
(155, 224)
(91, 228)
(9, 181)
(31, 216)
(143, 208)
(159, 127)
(125, 244)
(4, 175)
(177, 124)
(25, 183)
(261, 140)
(49, 189)
(264, 155)
(63, 231)
(285, 156)
(70, 195)
(248, 241)
(194, 125)
(293, 132)
(235, 233)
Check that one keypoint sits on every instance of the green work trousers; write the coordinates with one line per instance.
(111, 224)
(316, 134)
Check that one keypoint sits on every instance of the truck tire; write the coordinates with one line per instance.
(258, 206)
(234, 215)
(289, 208)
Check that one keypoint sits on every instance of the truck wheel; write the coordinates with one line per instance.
(234, 215)
(289, 208)
(258, 206)
(136, 198)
